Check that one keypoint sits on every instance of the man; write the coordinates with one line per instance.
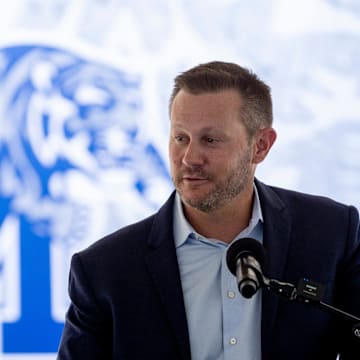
(160, 289)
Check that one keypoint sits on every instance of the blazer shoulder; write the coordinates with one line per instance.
(120, 243)
(132, 239)
(301, 206)
(293, 197)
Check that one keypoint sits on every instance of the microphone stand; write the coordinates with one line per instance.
(309, 292)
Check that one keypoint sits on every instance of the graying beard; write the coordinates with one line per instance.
(216, 202)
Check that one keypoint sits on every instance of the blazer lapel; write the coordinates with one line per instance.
(162, 264)
(276, 237)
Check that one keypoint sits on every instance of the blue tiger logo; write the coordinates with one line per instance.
(74, 165)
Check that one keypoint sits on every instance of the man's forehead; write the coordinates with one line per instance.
(207, 103)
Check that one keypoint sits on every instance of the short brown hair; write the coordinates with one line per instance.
(256, 111)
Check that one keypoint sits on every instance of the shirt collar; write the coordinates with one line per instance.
(183, 229)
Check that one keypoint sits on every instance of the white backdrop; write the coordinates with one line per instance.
(84, 90)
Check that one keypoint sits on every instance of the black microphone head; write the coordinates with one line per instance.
(244, 247)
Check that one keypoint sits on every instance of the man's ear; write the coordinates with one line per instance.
(263, 141)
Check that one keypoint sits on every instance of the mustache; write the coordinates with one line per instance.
(193, 172)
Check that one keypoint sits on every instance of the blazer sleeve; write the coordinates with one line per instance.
(349, 285)
(86, 333)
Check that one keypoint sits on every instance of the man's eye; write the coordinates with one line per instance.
(179, 138)
(210, 140)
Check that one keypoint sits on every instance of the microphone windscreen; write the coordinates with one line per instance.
(244, 247)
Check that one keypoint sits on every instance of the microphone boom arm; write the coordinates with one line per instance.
(309, 292)
(245, 259)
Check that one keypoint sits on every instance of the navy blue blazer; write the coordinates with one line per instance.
(127, 301)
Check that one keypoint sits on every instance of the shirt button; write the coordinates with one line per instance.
(233, 341)
(231, 294)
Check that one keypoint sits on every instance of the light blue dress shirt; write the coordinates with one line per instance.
(222, 324)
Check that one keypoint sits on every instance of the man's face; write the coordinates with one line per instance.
(210, 153)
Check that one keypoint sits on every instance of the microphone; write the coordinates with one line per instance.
(245, 259)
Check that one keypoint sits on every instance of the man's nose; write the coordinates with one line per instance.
(193, 155)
